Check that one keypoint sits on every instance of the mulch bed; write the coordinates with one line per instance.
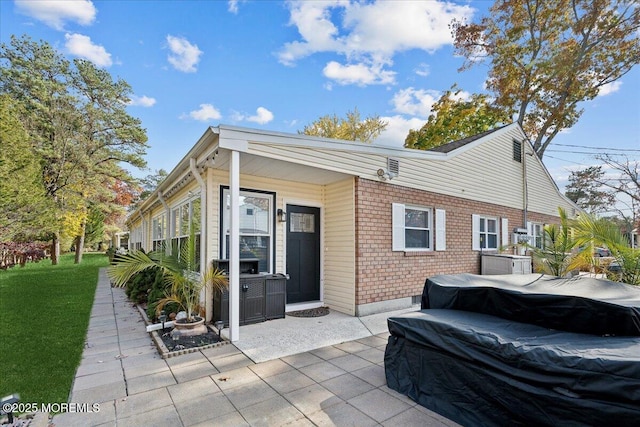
(312, 312)
(184, 343)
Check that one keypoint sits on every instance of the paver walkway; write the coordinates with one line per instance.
(121, 370)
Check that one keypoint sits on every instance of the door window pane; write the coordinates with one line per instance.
(301, 223)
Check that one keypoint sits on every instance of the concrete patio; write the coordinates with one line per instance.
(329, 374)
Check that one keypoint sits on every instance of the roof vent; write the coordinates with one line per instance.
(393, 167)
(517, 150)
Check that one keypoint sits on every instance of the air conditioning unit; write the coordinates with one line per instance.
(505, 264)
(519, 239)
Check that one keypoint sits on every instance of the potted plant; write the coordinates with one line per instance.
(181, 276)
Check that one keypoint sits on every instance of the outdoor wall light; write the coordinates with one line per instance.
(282, 215)
(383, 175)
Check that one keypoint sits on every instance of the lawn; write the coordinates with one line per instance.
(44, 315)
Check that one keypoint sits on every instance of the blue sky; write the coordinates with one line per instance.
(280, 65)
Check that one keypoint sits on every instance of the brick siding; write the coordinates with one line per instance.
(382, 274)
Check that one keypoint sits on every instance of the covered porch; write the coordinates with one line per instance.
(258, 200)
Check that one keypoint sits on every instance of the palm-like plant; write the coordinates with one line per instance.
(179, 268)
(592, 232)
(556, 257)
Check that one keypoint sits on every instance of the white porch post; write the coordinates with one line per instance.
(234, 247)
(203, 227)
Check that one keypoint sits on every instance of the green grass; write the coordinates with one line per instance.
(44, 316)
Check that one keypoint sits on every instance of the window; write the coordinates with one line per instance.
(417, 228)
(256, 226)
(158, 232)
(135, 241)
(413, 228)
(535, 235)
(485, 233)
(183, 217)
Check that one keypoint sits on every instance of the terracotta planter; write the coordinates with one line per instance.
(182, 328)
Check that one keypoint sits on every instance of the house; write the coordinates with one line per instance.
(357, 227)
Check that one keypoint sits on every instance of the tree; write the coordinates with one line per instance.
(628, 179)
(351, 128)
(591, 232)
(454, 118)
(76, 119)
(22, 196)
(627, 182)
(151, 182)
(585, 190)
(548, 57)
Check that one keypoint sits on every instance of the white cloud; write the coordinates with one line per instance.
(423, 70)
(415, 102)
(313, 20)
(609, 88)
(82, 47)
(55, 13)
(142, 101)
(262, 116)
(369, 34)
(359, 74)
(397, 130)
(206, 113)
(232, 6)
(184, 56)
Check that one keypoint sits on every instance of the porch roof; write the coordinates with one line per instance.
(214, 147)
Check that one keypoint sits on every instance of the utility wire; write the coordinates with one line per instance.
(562, 160)
(597, 148)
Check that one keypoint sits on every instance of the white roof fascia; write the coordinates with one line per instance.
(279, 138)
(307, 141)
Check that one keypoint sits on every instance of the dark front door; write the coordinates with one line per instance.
(303, 254)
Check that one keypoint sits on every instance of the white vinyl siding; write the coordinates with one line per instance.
(440, 173)
(340, 247)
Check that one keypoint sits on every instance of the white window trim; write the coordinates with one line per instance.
(533, 238)
(436, 228)
(163, 223)
(475, 238)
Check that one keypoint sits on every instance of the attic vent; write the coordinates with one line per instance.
(393, 166)
(517, 151)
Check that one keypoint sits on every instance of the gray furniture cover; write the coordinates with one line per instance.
(483, 369)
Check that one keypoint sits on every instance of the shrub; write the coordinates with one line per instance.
(139, 286)
(157, 292)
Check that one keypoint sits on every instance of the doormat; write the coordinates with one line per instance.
(312, 312)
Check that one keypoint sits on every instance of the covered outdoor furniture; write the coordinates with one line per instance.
(465, 356)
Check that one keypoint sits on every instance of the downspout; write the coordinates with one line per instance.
(203, 229)
(525, 193)
(525, 189)
(167, 231)
(142, 230)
